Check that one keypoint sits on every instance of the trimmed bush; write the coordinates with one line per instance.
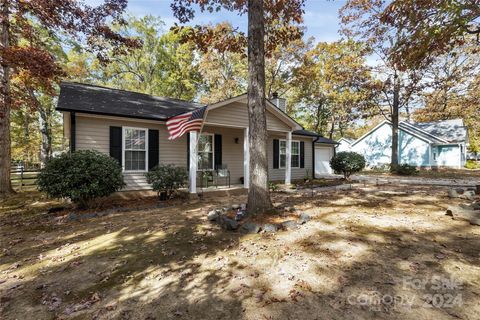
(406, 170)
(472, 164)
(167, 178)
(347, 163)
(81, 176)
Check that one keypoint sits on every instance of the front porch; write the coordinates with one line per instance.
(220, 158)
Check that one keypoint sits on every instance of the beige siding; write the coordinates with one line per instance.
(297, 173)
(236, 114)
(232, 153)
(94, 133)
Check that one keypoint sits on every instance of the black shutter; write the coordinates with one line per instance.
(188, 151)
(153, 148)
(73, 132)
(276, 153)
(218, 151)
(116, 143)
(302, 154)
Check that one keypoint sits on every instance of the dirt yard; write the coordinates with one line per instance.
(388, 253)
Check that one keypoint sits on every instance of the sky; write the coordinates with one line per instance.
(321, 16)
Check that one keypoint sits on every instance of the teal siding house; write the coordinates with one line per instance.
(423, 144)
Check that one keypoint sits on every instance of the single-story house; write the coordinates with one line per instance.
(131, 127)
(344, 144)
(421, 144)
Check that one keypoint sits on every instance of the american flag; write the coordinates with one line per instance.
(185, 122)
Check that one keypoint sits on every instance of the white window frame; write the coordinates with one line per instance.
(123, 148)
(291, 154)
(213, 152)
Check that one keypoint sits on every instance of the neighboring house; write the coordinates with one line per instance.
(427, 144)
(344, 144)
(131, 127)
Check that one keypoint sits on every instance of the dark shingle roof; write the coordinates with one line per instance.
(79, 97)
(320, 139)
(451, 130)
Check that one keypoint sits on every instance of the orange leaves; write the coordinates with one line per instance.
(282, 19)
(32, 61)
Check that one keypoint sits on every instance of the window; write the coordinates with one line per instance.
(205, 152)
(135, 149)
(295, 162)
(434, 156)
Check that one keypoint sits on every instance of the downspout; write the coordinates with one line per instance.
(313, 156)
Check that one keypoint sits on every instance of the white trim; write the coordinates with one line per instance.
(288, 160)
(213, 150)
(399, 128)
(192, 173)
(369, 132)
(279, 153)
(123, 149)
(246, 159)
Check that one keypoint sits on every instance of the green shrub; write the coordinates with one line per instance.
(167, 178)
(273, 187)
(406, 170)
(472, 164)
(347, 163)
(81, 176)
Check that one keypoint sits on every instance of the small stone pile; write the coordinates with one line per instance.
(469, 212)
(223, 217)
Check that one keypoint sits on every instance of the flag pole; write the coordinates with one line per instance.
(201, 128)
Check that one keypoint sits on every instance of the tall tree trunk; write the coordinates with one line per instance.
(5, 104)
(332, 129)
(258, 192)
(46, 147)
(395, 107)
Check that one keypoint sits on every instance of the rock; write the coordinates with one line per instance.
(269, 227)
(459, 190)
(72, 216)
(475, 221)
(452, 193)
(289, 225)
(240, 215)
(212, 215)
(227, 223)
(289, 209)
(235, 206)
(303, 218)
(250, 227)
(469, 195)
(462, 213)
(475, 206)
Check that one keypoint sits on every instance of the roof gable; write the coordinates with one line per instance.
(403, 127)
(271, 108)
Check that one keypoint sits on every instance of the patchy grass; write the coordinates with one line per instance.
(171, 263)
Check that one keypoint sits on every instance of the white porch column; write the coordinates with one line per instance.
(192, 173)
(246, 159)
(288, 164)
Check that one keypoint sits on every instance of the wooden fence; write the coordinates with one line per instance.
(23, 178)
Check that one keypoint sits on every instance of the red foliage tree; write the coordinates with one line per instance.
(24, 53)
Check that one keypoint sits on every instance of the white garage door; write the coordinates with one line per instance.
(322, 161)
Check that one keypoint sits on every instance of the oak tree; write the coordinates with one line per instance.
(23, 51)
(265, 33)
(362, 20)
(431, 28)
